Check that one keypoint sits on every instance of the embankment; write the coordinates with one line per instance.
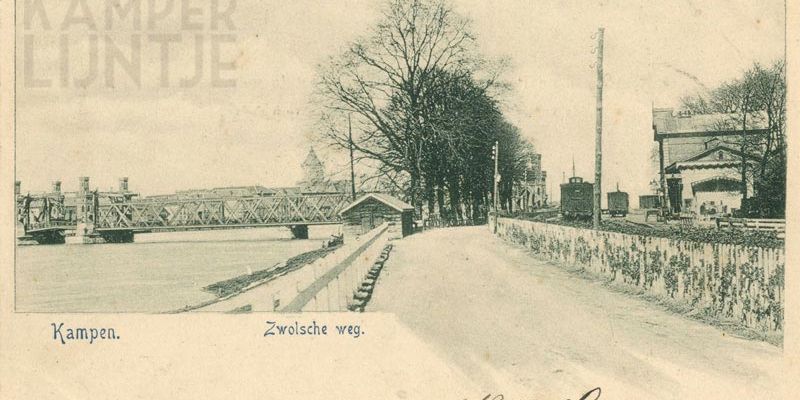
(317, 281)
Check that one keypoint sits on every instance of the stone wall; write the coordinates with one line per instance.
(728, 282)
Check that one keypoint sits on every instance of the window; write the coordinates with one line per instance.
(719, 155)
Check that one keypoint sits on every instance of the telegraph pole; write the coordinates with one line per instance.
(598, 141)
(352, 163)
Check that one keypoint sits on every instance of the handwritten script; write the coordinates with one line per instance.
(593, 394)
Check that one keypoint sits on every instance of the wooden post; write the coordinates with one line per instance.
(664, 196)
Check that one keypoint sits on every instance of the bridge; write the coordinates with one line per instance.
(91, 216)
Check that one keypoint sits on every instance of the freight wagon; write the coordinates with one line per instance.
(576, 199)
(650, 201)
(618, 203)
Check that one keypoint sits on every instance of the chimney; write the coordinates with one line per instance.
(84, 184)
(123, 184)
(17, 186)
(56, 186)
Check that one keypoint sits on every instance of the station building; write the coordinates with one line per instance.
(700, 161)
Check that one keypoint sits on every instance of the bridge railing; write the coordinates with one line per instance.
(52, 224)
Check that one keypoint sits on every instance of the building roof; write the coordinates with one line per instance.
(719, 183)
(390, 201)
(668, 123)
(327, 186)
(702, 159)
(311, 158)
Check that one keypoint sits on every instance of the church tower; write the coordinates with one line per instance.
(313, 170)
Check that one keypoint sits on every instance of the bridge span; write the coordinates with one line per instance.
(91, 216)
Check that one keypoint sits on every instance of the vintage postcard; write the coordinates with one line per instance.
(411, 199)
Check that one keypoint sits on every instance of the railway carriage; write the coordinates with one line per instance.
(576, 199)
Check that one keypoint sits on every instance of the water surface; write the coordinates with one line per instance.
(159, 272)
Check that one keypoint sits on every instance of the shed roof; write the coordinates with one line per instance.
(390, 201)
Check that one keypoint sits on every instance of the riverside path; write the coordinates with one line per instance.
(529, 329)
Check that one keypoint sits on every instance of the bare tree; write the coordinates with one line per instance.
(420, 112)
(755, 106)
(382, 80)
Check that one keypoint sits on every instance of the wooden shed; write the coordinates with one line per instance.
(372, 210)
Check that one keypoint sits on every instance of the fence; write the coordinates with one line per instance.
(776, 225)
(435, 221)
(730, 282)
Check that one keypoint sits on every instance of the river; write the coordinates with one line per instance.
(159, 272)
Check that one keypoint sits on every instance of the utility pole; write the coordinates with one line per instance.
(352, 163)
(598, 142)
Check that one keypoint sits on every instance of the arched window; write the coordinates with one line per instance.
(719, 155)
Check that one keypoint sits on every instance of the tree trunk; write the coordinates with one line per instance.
(440, 200)
(429, 196)
(455, 199)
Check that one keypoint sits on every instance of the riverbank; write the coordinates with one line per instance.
(233, 287)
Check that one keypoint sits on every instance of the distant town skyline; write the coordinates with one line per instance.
(168, 139)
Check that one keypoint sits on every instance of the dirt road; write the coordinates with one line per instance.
(529, 329)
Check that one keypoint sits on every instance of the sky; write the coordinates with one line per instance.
(167, 137)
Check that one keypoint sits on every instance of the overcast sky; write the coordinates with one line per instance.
(259, 132)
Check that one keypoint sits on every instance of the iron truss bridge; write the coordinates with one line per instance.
(219, 213)
(48, 219)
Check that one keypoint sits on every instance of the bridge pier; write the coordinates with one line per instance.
(299, 231)
(47, 237)
(117, 236)
(85, 234)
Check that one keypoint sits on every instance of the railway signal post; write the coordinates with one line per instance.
(496, 178)
(496, 156)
